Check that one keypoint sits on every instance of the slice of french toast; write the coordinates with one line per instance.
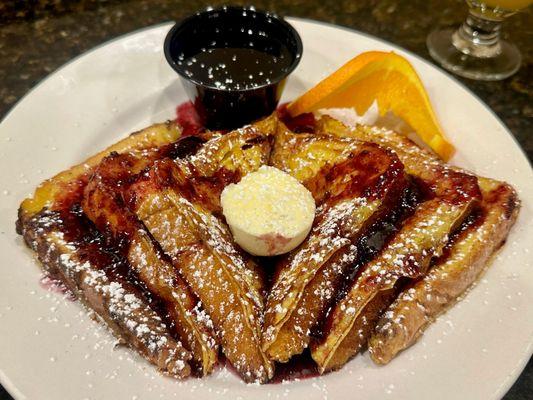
(120, 200)
(64, 185)
(354, 184)
(406, 256)
(76, 258)
(452, 193)
(465, 257)
(70, 249)
(172, 203)
(105, 205)
(221, 276)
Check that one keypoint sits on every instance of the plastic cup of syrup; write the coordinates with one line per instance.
(233, 62)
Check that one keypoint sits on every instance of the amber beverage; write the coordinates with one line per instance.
(476, 50)
(497, 9)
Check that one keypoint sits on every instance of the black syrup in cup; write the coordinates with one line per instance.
(233, 62)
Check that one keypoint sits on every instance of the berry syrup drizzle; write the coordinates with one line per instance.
(188, 119)
(299, 367)
(303, 123)
(56, 286)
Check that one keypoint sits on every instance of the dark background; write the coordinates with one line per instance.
(38, 36)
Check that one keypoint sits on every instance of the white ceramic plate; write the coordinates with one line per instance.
(51, 349)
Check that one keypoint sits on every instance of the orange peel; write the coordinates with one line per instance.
(391, 81)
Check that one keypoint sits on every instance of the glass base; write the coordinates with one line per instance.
(500, 66)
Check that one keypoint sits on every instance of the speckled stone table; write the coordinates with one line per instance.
(38, 36)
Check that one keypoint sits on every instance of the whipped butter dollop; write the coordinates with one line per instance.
(269, 212)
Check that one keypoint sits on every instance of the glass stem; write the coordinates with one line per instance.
(479, 37)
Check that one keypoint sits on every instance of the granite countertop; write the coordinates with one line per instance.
(38, 36)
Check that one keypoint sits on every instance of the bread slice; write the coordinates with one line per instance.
(406, 256)
(451, 195)
(105, 205)
(174, 203)
(69, 248)
(464, 260)
(354, 185)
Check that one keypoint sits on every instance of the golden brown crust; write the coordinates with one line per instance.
(232, 300)
(418, 306)
(133, 321)
(64, 254)
(104, 206)
(451, 195)
(407, 256)
(354, 183)
(47, 192)
(438, 290)
(201, 247)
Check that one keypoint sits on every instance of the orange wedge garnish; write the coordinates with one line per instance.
(386, 78)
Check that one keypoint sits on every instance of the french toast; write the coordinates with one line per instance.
(465, 257)
(106, 207)
(449, 195)
(70, 249)
(106, 198)
(176, 206)
(224, 280)
(354, 183)
(451, 186)
(137, 233)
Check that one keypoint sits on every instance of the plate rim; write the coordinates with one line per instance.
(513, 376)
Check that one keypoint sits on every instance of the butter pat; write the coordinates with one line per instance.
(269, 212)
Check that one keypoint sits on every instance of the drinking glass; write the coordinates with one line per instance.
(475, 50)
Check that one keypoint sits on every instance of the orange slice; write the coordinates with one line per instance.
(390, 80)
